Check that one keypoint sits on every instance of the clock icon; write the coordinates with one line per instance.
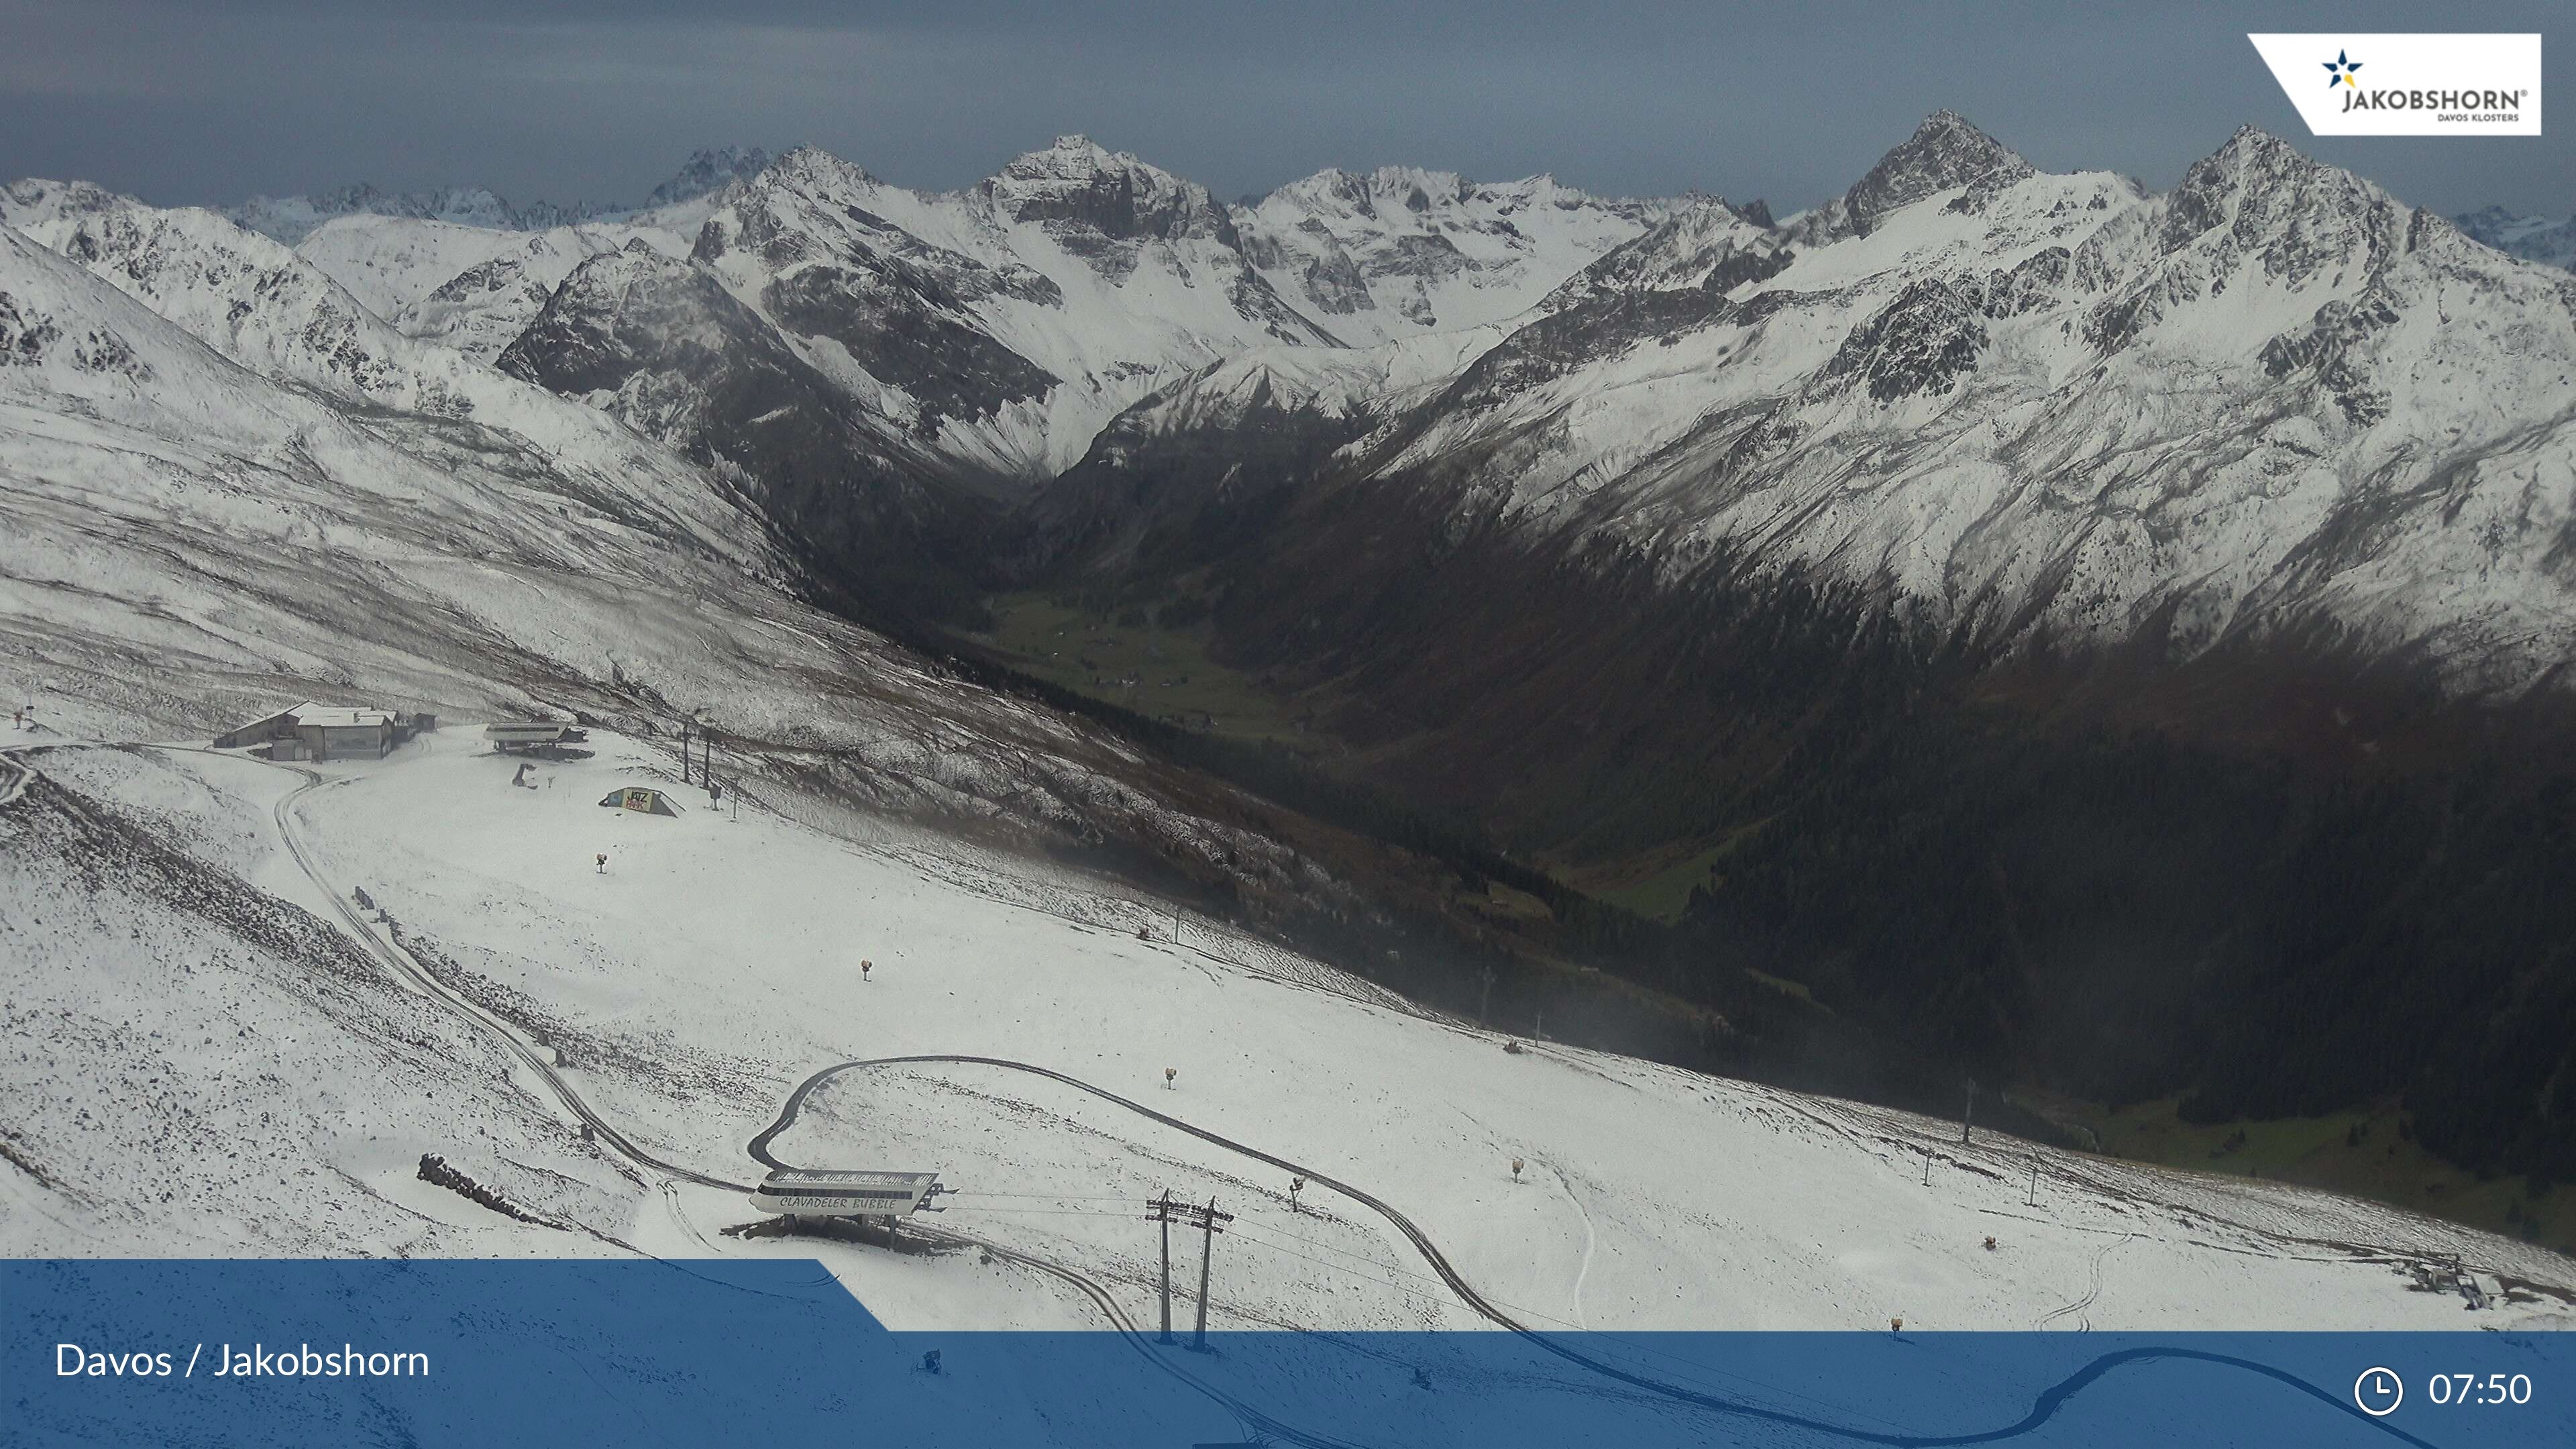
(2378, 1392)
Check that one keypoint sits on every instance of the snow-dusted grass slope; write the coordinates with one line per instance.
(715, 963)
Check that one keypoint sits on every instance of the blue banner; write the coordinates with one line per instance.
(437, 1353)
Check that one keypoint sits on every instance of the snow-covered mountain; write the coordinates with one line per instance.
(1401, 251)
(269, 310)
(1201, 463)
(193, 529)
(830, 480)
(2271, 403)
(1000, 325)
(469, 288)
(2032, 406)
(1707, 382)
(879, 369)
(2532, 238)
(1837, 559)
(290, 219)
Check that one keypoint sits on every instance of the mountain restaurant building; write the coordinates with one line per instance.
(312, 731)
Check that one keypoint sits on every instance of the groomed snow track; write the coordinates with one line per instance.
(2042, 1409)
(1431, 1254)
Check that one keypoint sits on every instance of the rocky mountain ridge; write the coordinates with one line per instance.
(2272, 402)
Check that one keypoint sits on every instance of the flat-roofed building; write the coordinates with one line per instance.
(335, 732)
(316, 731)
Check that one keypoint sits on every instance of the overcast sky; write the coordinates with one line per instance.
(209, 101)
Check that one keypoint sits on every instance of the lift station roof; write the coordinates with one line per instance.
(797, 1192)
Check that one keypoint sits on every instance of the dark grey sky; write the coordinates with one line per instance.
(206, 101)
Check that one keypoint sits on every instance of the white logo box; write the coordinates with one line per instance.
(2409, 85)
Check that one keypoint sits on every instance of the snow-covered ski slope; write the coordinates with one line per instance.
(216, 1061)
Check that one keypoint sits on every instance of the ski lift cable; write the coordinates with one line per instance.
(997, 1207)
(1049, 1195)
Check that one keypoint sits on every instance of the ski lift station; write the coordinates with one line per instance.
(800, 1193)
(532, 737)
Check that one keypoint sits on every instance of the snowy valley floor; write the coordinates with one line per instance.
(215, 1052)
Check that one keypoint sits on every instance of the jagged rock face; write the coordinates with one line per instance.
(1919, 346)
(2258, 195)
(665, 347)
(36, 202)
(825, 268)
(1945, 153)
(620, 315)
(1113, 195)
(893, 325)
(1704, 243)
(483, 309)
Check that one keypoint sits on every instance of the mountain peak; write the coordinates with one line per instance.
(2254, 153)
(1947, 122)
(2258, 182)
(1078, 157)
(809, 165)
(1945, 151)
(1079, 180)
(2253, 140)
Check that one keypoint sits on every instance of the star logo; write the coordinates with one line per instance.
(2339, 72)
